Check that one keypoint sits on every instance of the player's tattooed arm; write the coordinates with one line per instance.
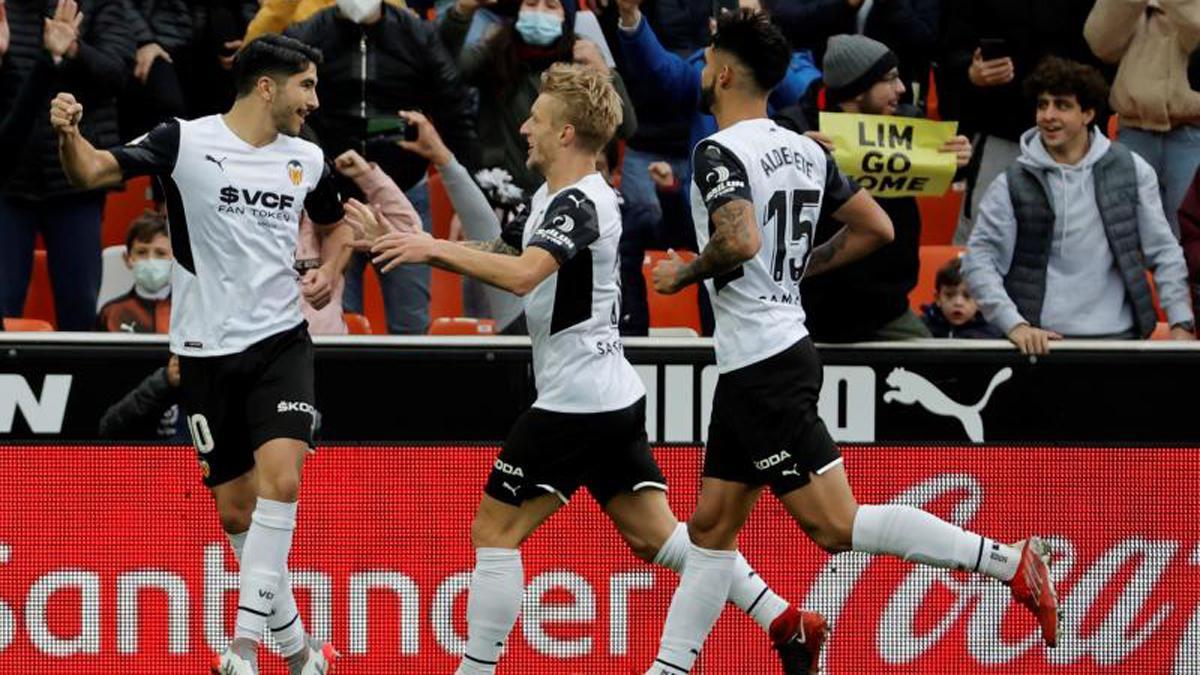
(494, 246)
(867, 227)
(735, 239)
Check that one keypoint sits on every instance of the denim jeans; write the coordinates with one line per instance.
(1174, 155)
(405, 289)
(70, 226)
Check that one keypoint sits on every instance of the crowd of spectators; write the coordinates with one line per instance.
(1068, 232)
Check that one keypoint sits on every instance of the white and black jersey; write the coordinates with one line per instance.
(233, 212)
(578, 361)
(792, 182)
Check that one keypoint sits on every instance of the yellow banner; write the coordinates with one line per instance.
(892, 156)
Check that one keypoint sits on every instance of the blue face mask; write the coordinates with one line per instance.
(539, 29)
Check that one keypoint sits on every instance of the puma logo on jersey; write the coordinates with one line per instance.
(794, 471)
(506, 468)
(777, 458)
(219, 162)
(578, 201)
(510, 488)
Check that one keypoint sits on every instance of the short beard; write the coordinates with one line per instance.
(708, 98)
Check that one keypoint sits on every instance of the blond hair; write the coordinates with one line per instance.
(590, 103)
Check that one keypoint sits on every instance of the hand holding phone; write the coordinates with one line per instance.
(389, 130)
(990, 65)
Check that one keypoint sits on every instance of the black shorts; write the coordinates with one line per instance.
(554, 452)
(236, 403)
(765, 429)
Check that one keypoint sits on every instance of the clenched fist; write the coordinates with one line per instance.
(65, 114)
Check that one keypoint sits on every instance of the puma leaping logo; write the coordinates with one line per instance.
(909, 388)
(794, 471)
(219, 162)
(510, 488)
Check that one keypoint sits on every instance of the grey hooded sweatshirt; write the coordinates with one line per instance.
(1085, 296)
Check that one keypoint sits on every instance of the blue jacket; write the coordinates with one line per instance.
(659, 80)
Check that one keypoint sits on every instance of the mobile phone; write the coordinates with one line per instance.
(390, 129)
(993, 48)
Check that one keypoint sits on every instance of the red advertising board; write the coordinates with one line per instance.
(111, 561)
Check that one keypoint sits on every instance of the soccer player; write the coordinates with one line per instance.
(758, 192)
(235, 187)
(587, 426)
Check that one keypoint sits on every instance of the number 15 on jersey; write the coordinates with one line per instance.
(791, 217)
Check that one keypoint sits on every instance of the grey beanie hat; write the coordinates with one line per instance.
(853, 64)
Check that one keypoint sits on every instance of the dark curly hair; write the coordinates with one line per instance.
(1063, 77)
(757, 43)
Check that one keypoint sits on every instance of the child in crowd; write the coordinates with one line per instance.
(146, 308)
(954, 313)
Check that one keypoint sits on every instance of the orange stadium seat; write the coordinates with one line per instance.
(939, 217)
(932, 259)
(357, 324)
(39, 300)
(27, 325)
(671, 311)
(122, 207)
(462, 325)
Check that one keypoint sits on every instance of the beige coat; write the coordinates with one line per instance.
(1152, 41)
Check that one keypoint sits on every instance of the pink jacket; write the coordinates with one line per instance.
(396, 213)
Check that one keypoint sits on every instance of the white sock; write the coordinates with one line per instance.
(289, 636)
(922, 537)
(494, 600)
(703, 589)
(748, 592)
(263, 565)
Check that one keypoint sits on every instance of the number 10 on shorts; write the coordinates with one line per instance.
(201, 436)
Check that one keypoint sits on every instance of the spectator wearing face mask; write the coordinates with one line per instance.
(507, 68)
(377, 60)
(274, 16)
(146, 308)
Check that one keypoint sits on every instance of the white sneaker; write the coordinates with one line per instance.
(229, 663)
(321, 656)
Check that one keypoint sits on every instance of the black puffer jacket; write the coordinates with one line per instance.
(398, 63)
(95, 76)
(165, 22)
(1032, 29)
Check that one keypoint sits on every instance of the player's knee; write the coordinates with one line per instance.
(486, 533)
(282, 487)
(641, 547)
(711, 533)
(831, 535)
(235, 519)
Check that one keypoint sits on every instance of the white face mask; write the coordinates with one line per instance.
(359, 11)
(152, 275)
